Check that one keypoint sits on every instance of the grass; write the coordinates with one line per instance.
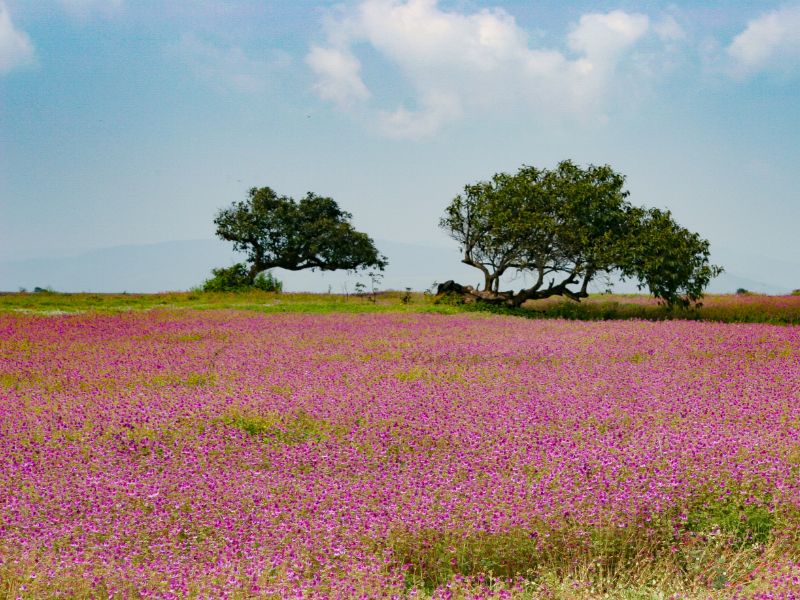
(726, 308)
(268, 302)
(283, 428)
(741, 308)
(721, 545)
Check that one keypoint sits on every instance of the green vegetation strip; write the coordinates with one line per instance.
(743, 308)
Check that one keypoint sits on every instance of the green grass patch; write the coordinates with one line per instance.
(277, 428)
(743, 524)
(256, 300)
(191, 379)
(608, 562)
(433, 559)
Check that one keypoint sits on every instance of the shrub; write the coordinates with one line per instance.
(742, 291)
(267, 282)
(228, 279)
(451, 299)
(236, 279)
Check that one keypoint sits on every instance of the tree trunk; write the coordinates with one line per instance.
(491, 295)
(255, 269)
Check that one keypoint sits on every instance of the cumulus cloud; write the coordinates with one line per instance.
(16, 49)
(669, 30)
(228, 68)
(436, 109)
(603, 37)
(770, 40)
(338, 77)
(454, 63)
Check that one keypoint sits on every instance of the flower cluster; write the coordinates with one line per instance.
(221, 453)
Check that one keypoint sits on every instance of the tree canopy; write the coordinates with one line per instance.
(568, 226)
(277, 231)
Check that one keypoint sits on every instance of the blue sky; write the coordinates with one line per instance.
(131, 122)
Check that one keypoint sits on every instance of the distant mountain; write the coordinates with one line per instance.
(755, 272)
(728, 283)
(181, 265)
(136, 268)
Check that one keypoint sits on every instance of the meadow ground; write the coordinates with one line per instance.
(744, 308)
(381, 449)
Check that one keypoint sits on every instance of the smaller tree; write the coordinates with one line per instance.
(669, 260)
(277, 231)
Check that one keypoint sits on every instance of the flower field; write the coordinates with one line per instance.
(224, 453)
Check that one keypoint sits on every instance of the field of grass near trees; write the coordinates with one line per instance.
(195, 445)
(729, 308)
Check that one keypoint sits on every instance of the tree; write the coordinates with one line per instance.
(277, 231)
(568, 226)
(668, 259)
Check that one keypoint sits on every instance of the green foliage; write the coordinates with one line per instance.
(745, 524)
(228, 279)
(668, 259)
(569, 225)
(433, 559)
(236, 278)
(277, 231)
(267, 282)
(453, 299)
(742, 292)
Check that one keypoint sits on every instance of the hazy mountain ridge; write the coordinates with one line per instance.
(181, 265)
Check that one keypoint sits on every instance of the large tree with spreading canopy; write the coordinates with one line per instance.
(277, 231)
(568, 226)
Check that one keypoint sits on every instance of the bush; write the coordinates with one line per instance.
(267, 282)
(235, 279)
(450, 299)
(742, 292)
(230, 279)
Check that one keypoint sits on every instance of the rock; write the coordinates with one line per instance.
(450, 286)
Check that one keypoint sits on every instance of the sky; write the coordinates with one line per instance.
(129, 122)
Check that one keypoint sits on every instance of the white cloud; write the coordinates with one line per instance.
(16, 49)
(228, 68)
(669, 30)
(602, 38)
(436, 109)
(338, 75)
(771, 40)
(453, 63)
